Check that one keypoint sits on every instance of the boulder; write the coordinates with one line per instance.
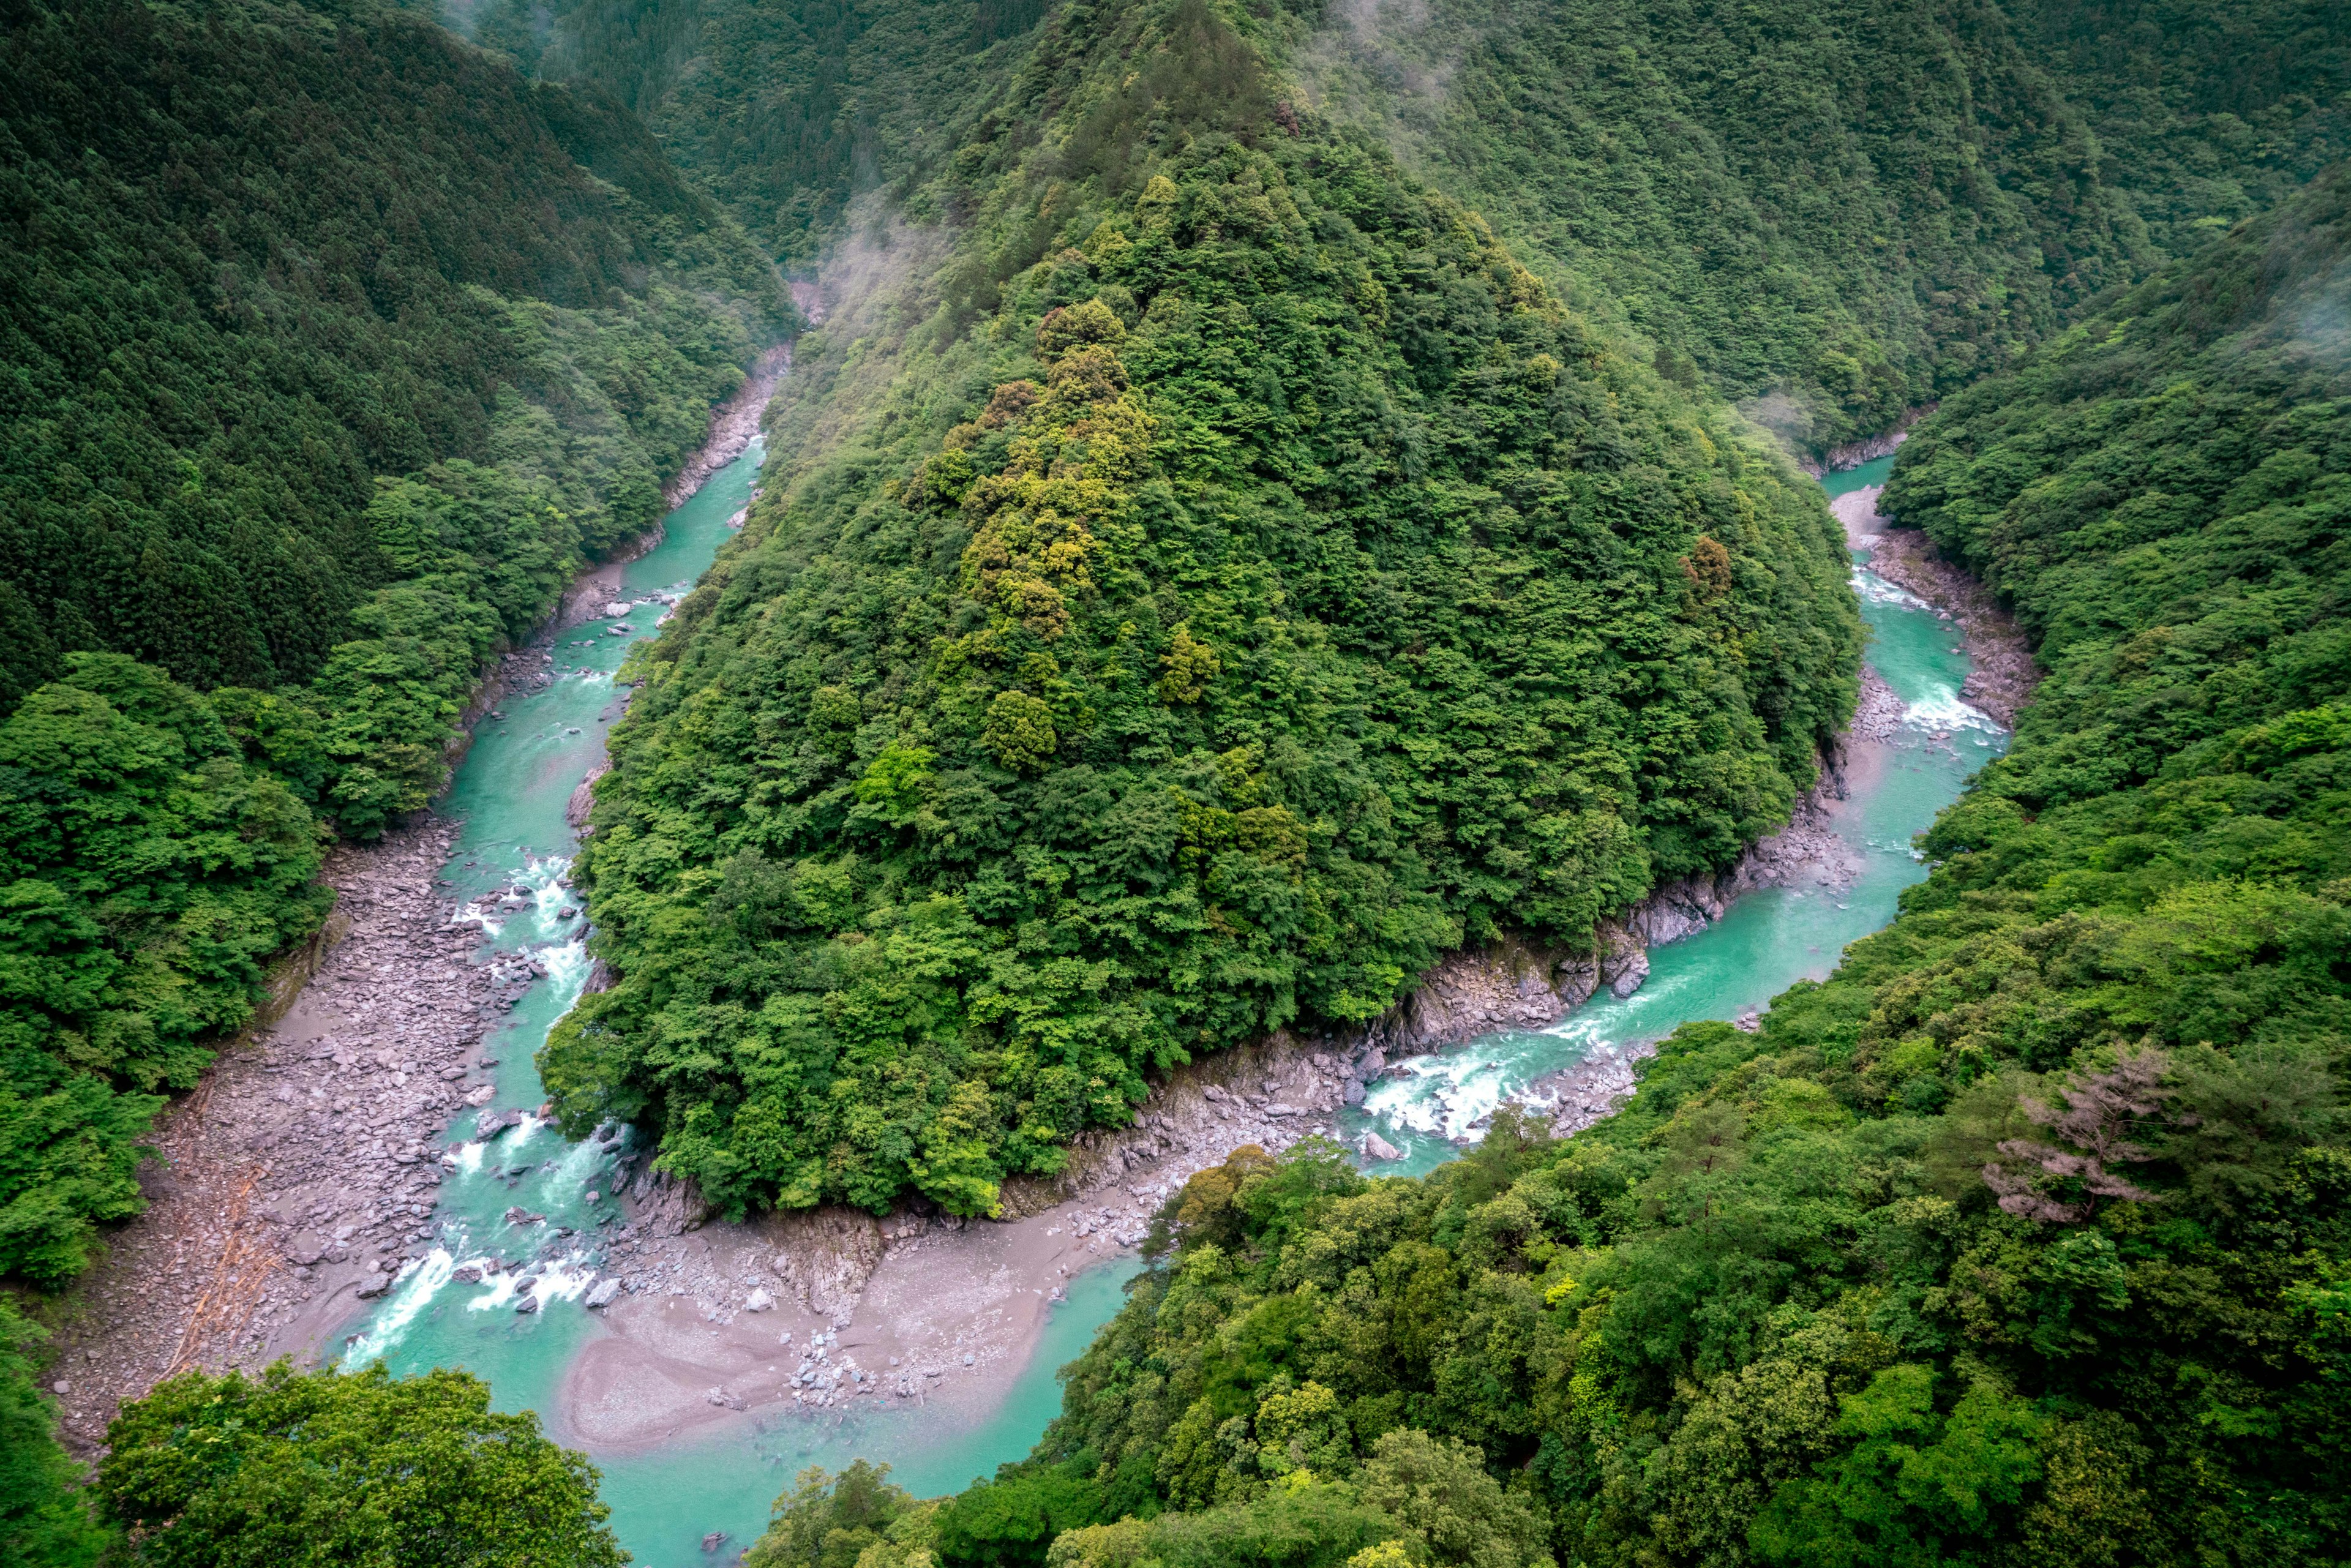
(526, 1303)
(828, 1255)
(603, 1292)
(759, 1301)
(1379, 1149)
(616, 608)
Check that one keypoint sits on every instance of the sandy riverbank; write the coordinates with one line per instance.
(696, 1338)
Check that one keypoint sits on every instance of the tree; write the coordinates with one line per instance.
(44, 1521)
(332, 1470)
(854, 1519)
(1439, 1489)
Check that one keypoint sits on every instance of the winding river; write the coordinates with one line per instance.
(508, 872)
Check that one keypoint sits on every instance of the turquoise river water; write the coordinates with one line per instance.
(508, 873)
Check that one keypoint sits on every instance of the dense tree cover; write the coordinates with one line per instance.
(1272, 588)
(44, 1520)
(2026, 1237)
(148, 870)
(786, 113)
(1833, 212)
(333, 349)
(257, 260)
(365, 1470)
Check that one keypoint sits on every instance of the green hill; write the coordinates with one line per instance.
(1234, 582)
(2023, 1239)
(332, 349)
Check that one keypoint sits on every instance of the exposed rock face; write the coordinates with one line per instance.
(827, 1256)
(583, 799)
(667, 1205)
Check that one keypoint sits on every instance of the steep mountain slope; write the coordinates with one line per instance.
(332, 349)
(1242, 583)
(1832, 213)
(1828, 212)
(2022, 1239)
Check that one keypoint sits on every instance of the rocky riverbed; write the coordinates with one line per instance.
(292, 1182)
(2004, 672)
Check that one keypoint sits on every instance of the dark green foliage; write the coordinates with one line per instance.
(252, 263)
(2023, 1239)
(1009, 1523)
(45, 1521)
(1833, 210)
(148, 870)
(1277, 590)
(257, 261)
(785, 112)
(362, 1470)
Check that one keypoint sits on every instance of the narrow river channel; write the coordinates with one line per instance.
(510, 870)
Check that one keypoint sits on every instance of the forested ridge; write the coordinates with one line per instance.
(1827, 214)
(1269, 590)
(2022, 1239)
(1267, 512)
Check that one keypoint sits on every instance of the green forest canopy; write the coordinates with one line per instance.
(2026, 1237)
(333, 348)
(1268, 591)
(1827, 212)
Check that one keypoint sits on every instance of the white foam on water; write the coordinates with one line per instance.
(418, 1285)
(1942, 709)
(565, 1279)
(468, 1157)
(1443, 1097)
(1877, 590)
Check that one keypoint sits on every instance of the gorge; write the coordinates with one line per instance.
(1119, 754)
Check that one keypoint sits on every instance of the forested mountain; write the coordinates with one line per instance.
(333, 348)
(1831, 212)
(2022, 1239)
(1827, 212)
(1213, 623)
(1268, 510)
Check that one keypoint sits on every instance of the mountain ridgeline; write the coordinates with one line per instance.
(1830, 213)
(1283, 492)
(1275, 590)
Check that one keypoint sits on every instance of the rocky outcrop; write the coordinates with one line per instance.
(666, 1205)
(1854, 454)
(826, 1257)
(583, 799)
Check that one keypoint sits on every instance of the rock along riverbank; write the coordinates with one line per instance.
(299, 1176)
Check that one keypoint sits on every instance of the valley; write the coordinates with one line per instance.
(934, 784)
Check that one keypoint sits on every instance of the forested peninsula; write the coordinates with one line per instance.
(1282, 494)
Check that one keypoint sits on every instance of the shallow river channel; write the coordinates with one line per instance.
(507, 875)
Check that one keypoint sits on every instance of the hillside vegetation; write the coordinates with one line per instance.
(333, 349)
(1266, 590)
(1827, 212)
(1833, 213)
(2022, 1239)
